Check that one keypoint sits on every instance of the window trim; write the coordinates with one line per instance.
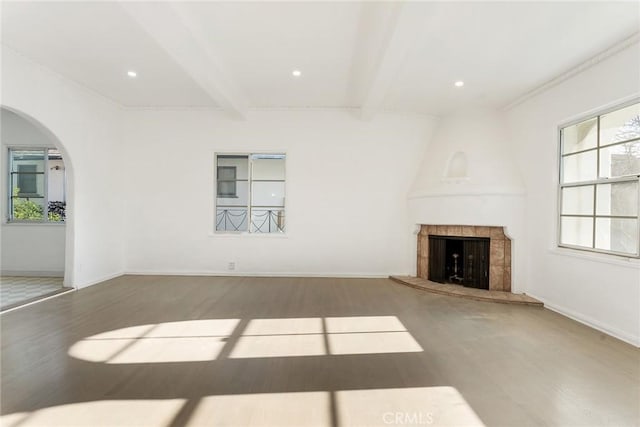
(598, 181)
(45, 217)
(249, 180)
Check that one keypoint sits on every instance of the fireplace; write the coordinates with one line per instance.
(459, 260)
(483, 261)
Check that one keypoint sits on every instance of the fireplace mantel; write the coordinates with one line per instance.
(499, 250)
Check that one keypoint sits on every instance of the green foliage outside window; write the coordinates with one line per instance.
(25, 209)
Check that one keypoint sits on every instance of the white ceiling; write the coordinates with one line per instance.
(372, 55)
(95, 44)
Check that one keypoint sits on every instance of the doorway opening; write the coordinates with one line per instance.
(35, 248)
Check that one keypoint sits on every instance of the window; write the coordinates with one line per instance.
(250, 191)
(27, 182)
(227, 181)
(599, 182)
(37, 185)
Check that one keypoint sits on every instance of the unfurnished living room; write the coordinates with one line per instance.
(320, 213)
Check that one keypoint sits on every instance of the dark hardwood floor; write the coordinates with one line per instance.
(143, 350)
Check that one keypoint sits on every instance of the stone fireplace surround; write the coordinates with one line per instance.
(499, 250)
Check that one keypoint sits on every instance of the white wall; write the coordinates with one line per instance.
(481, 135)
(491, 192)
(36, 249)
(33, 249)
(600, 290)
(87, 128)
(346, 190)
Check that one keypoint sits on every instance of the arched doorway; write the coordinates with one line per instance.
(37, 220)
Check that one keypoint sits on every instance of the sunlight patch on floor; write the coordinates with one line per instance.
(270, 409)
(195, 328)
(373, 343)
(206, 340)
(99, 413)
(166, 350)
(435, 406)
(419, 406)
(184, 341)
(279, 346)
(298, 325)
(98, 350)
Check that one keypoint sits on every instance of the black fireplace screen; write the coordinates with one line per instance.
(460, 260)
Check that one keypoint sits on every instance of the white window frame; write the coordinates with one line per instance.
(595, 183)
(45, 217)
(250, 206)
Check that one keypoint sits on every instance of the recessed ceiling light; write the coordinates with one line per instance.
(459, 83)
(132, 74)
(296, 73)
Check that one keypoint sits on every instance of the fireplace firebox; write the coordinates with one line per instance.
(459, 260)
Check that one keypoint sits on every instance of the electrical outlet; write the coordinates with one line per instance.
(231, 265)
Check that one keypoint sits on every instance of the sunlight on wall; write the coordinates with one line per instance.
(437, 406)
(205, 340)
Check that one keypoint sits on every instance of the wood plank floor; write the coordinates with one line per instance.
(141, 350)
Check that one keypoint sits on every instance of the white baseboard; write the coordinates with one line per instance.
(586, 320)
(256, 274)
(99, 280)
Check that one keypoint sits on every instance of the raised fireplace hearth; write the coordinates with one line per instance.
(482, 256)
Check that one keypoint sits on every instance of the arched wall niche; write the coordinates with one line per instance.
(457, 167)
(70, 193)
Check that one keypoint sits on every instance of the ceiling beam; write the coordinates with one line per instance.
(175, 30)
(405, 22)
